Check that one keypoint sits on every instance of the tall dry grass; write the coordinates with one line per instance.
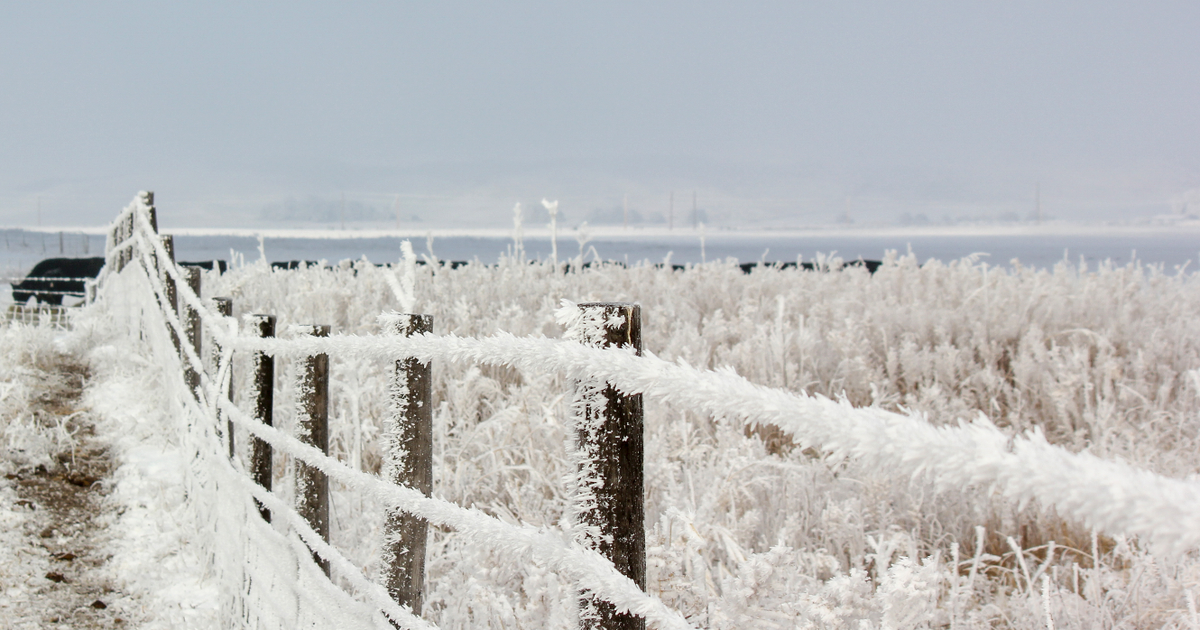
(745, 531)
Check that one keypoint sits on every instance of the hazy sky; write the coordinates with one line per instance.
(794, 107)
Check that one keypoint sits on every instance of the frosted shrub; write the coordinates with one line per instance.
(744, 529)
(34, 367)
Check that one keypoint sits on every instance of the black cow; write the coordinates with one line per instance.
(294, 264)
(221, 265)
(53, 278)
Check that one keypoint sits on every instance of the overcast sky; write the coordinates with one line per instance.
(792, 108)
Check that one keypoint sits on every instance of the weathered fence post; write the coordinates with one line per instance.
(610, 437)
(408, 461)
(264, 407)
(128, 225)
(168, 243)
(118, 243)
(121, 237)
(115, 242)
(190, 318)
(225, 387)
(312, 486)
(151, 211)
(152, 217)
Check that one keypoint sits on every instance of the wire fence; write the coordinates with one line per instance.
(1111, 497)
(136, 249)
(39, 315)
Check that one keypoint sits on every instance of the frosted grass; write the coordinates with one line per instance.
(754, 528)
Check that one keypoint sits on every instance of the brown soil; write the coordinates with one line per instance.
(69, 515)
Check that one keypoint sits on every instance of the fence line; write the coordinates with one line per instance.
(592, 572)
(56, 316)
(312, 542)
(1109, 496)
(202, 406)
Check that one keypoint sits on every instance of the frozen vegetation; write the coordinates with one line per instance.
(745, 527)
(830, 497)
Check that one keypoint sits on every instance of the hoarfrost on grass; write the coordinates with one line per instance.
(921, 338)
(749, 527)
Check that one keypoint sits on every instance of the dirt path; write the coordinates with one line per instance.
(59, 579)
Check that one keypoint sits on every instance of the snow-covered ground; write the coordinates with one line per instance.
(87, 551)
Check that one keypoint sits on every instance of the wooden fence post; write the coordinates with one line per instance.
(168, 243)
(121, 236)
(225, 388)
(190, 318)
(408, 461)
(114, 241)
(118, 241)
(612, 438)
(152, 217)
(264, 407)
(152, 212)
(128, 225)
(312, 486)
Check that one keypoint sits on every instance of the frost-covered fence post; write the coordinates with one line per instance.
(609, 512)
(168, 243)
(264, 407)
(151, 211)
(119, 238)
(127, 227)
(312, 428)
(408, 461)
(111, 244)
(224, 309)
(152, 217)
(190, 318)
(119, 242)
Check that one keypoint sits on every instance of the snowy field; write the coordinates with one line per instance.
(746, 527)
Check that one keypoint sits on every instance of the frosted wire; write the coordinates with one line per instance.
(1110, 496)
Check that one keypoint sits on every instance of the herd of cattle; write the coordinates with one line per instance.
(53, 279)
